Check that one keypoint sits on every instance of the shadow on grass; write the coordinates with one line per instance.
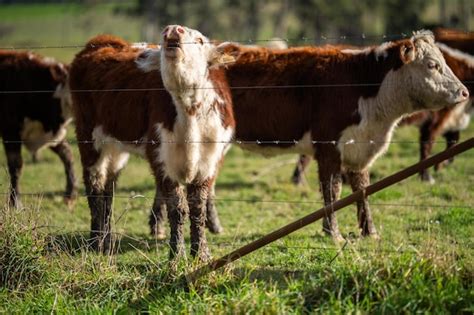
(75, 243)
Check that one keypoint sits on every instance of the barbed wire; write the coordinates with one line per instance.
(253, 87)
(235, 142)
(321, 38)
(250, 200)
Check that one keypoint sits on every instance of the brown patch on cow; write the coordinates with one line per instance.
(220, 83)
(457, 39)
(305, 88)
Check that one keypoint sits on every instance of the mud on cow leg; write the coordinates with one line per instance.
(100, 210)
(157, 215)
(63, 150)
(15, 164)
(212, 218)
(358, 181)
(177, 208)
(197, 200)
(331, 185)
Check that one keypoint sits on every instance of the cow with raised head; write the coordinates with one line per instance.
(180, 120)
(35, 109)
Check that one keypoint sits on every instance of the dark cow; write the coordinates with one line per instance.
(36, 119)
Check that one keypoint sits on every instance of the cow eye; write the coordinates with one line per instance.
(434, 65)
(199, 40)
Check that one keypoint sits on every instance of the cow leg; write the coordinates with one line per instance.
(176, 207)
(95, 171)
(452, 137)
(157, 215)
(15, 164)
(331, 185)
(212, 219)
(94, 183)
(426, 145)
(358, 181)
(63, 150)
(197, 200)
(303, 162)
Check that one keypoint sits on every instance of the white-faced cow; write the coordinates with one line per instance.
(448, 121)
(183, 131)
(34, 110)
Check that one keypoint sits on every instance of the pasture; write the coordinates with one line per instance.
(424, 260)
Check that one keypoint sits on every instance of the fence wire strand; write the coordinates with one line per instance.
(250, 41)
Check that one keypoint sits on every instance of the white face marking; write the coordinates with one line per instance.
(430, 83)
(63, 93)
(184, 59)
(149, 60)
(193, 149)
(402, 92)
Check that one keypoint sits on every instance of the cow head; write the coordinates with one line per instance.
(186, 56)
(60, 74)
(426, 77)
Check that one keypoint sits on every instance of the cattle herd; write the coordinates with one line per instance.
(182, 104)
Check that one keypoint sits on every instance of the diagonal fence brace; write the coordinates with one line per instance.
(337, 205)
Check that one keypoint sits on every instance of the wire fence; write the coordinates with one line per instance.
(295, 40)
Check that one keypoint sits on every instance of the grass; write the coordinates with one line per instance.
(423, 263)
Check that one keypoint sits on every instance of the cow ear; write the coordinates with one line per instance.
(59, 72)
(224, 54)
(407, 52)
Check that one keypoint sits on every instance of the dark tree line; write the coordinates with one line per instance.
(312, 19)
(237, 19)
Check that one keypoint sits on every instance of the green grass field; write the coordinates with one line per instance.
(424, 261)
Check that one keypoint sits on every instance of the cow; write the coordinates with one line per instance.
(181, 121)
(35, 109)
(448, 121)
(339, 106)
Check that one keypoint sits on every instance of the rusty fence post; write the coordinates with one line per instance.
(339, 204)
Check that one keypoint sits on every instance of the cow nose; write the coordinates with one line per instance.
(178, 31)
(465, 93)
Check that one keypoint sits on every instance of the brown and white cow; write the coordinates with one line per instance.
(183, 133)
(340, 106)
(448, 121)
(37, 115)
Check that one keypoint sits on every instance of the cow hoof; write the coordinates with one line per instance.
(215, 228)
(297, 180)
(69, 201)
(428, 179)
(159, 233)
